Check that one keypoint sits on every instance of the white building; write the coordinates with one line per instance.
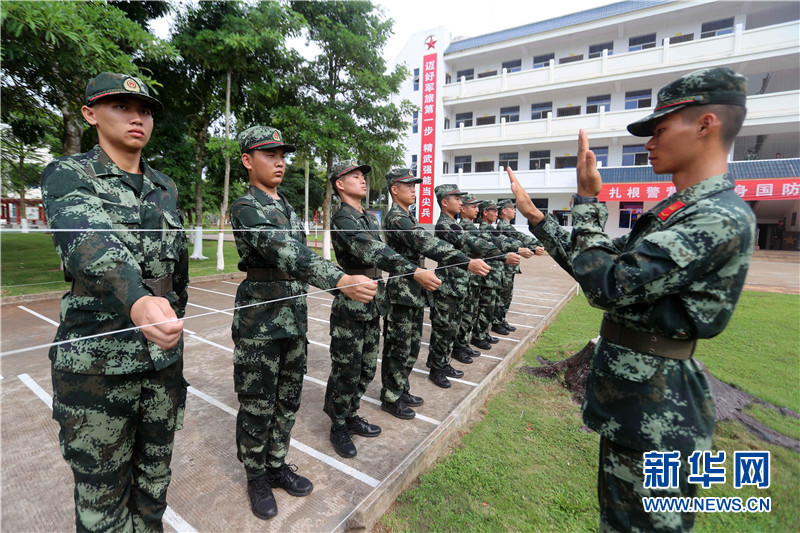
(518, 98)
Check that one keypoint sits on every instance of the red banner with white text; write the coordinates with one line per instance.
(761, 189)
(427, 155)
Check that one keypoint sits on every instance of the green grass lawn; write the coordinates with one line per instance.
(29, 263)
(527, 465)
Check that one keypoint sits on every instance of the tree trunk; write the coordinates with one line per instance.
(224, 207)
(198, 199)
(729, 400)
(326, 213)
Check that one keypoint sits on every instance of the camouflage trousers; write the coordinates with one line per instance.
(116, 434)
(469, 314)
(620, 489)
(354, 357)
(402, 334)
(268, 378)
(504, 299)
(445, 319)
(486, 313)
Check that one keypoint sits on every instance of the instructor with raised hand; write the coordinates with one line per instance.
(674, 279)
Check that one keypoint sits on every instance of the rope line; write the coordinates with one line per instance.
(235, 308)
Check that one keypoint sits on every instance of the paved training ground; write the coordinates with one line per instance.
(207, 492)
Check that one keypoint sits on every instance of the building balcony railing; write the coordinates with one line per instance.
(546, 180)
(772, 108)
(775, 40)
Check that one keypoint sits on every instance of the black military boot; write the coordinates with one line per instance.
(449, 371)
(439, 379)
(500, 329)
(359, 426)
(481, 343)
(398, 409)
(411, 400)
(284, 477)
(340, 438)
(262, 501)
(509, 327)
(492, 340)
(472, 351)
(461, 355)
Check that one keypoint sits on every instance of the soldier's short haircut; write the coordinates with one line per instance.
(731, 116)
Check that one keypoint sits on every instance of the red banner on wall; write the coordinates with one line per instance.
(427, 155)
(764, 189)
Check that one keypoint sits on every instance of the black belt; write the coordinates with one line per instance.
(373, 273)
(648, 343)
(267, 274)
(159, 286)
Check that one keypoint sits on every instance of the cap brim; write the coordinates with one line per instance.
(644, 126)
(286, 147)
(413, 180)
(157, 106)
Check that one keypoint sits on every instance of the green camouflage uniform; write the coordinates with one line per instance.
(504, 227)
(449, 301)
(493, 283)
(470, 310)
(355, 327)
(119, 399)
(402, 329)
(677, 275)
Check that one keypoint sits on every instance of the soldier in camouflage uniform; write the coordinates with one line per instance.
(402, 329)
(270, 336)
(493, 283)
(119, 398)
(355, 327)
(506, 213)
(674, 279)
(449, 301)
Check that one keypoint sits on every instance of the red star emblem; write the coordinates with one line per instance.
(430, 43)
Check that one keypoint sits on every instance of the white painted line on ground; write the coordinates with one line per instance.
(521, 325)
(212, 401)
(37, 390)
(1, 377)
(212, 343)
(34, 313)
(539, 292)
(319, 344)
(418, 417)
(319, 319)
(209, 309)
(464, 381)
(213, 292)
(537, 298)
(170, 516)
(533, 305)
(490, 356)
(509, 339)
(315, 381)
(231, 283)
(527, 314)
(321, 298)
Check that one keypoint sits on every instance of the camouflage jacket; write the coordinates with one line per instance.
(455, 282)
(504, 227)
(88, 191)
(268, 244)
(494, 280)
(358, 245)
(678, 274)
(413, 242)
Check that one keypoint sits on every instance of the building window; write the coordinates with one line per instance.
(629, 213)
(716, 27)
(596, 50)
(416, 79)
(684, 38)
(487, 74)
(541, 204)
(464, 118)
(641, 42)
(463, 163)
(567, 161)
(539, 158)
(543, 60)
(467, 74)
(634, 155)
(511, 114)
(513, 66)
(541, 110)
(445, 167)
(484, 166)
(446, 123)
(601, 153)
(509, 160)
(484, 121)
(415, 122)
(447, 78)
(595, 103)
(638, 99)
(568, 111)
(570, 59)
(414, 164)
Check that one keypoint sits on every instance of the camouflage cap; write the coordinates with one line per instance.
(448, 189)
(705, 86)
(343, 167)
(469, 199)
(401, 175)
(262, 138)
(110, 84)
(486, 205)
(502, 204)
